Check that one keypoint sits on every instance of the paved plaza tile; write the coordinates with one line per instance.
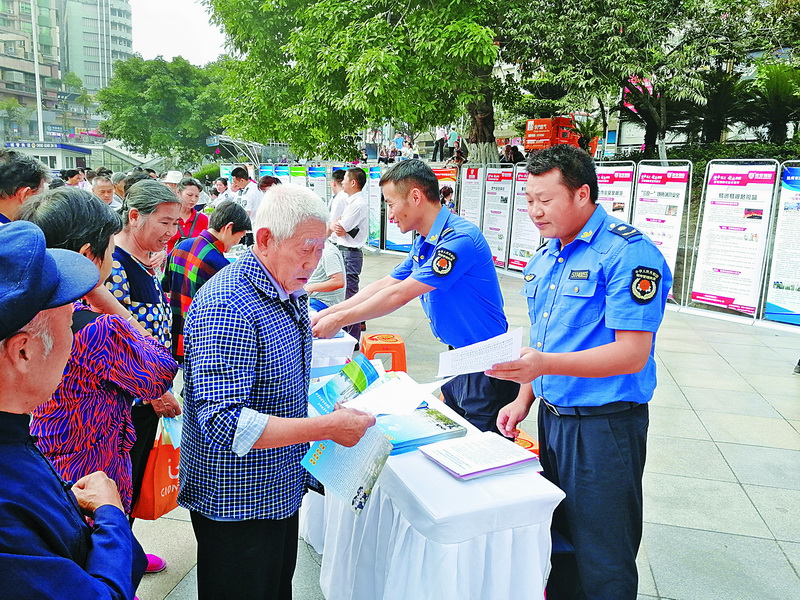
(722, 481)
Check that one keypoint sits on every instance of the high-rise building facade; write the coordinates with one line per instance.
(17, 70)
(95, 34)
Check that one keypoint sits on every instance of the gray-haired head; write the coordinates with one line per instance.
(284, 207)
(145, 196)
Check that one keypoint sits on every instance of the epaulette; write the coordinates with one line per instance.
(623, 230)
(445, 232)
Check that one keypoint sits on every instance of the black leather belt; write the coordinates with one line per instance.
(348, 248)
(589, 411)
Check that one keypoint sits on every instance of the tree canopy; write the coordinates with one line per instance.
(167, 108)
(317, 73)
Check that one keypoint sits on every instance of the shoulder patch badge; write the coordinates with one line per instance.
(644, 284)
(624, 230)
(443, 261)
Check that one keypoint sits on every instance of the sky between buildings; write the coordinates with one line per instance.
(172, 28)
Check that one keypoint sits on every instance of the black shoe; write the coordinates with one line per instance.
(364, 328)
(797, 368)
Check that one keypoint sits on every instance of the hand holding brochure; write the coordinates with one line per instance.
(350, 473)
(479, 357)
(477, 455)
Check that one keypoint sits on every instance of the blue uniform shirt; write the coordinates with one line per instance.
(466, 307)
(611, 277)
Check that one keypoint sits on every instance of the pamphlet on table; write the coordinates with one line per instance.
(479, 357)
(480, 454)
(423, 426)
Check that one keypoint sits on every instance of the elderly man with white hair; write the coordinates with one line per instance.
(246, 428)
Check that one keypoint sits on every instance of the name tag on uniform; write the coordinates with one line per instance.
(579, 274)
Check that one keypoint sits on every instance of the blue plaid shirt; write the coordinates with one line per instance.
(248, 348)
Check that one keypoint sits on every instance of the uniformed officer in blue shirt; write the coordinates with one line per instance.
(596, 295)
(450, 268)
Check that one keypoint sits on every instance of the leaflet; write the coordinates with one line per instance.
(349, 473)
(479, 357)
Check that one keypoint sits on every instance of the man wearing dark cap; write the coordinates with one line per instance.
(47, 549)
(21, 177)
(450, 269)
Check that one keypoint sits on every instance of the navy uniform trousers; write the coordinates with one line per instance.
(598, 461)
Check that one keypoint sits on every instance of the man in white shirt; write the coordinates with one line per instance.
(438, 145)
(339, 197)
(245, 191)
(351, 229)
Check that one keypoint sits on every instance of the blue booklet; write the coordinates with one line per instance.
(352, 379)
(424, 426)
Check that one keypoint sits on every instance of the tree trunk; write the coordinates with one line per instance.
(481, 140)
(662, 128)
(604, 117)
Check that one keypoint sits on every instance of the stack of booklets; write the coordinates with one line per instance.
(478, 455)
(424, 426)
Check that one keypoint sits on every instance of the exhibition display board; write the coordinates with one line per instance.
(615, 188)
(282, 173)
(525, 238)
(497, 211)
(318, 182)
(298, 175)
(471, 196)
(783, 284)
(375, 199)
(660, 205)
(737, 203)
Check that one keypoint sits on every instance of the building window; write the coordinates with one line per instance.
(91, 51)
(91, 65)
(92, 81)
(87, 22)
(90, 37)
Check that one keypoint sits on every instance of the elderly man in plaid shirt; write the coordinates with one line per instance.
(247, 363)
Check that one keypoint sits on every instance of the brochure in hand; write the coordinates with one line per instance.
(480, 454)
(423, 426)
(349, 382)
(349, 473)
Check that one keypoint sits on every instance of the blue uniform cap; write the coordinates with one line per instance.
(34, 278)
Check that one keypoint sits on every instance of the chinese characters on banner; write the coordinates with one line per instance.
(615, 187)
(499, 187)
(471, 206)
(783, 291)
(660, 205)
(525, 237)
(736, 216)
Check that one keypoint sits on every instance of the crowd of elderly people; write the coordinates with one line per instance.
(89, 349)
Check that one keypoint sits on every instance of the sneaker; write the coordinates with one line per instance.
(155, 564)
(797, 367)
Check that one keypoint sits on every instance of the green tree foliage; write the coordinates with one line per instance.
(724, 102)
(161, 107)
(774, 100)
(654, 50)
(317, 73)
(15, 114)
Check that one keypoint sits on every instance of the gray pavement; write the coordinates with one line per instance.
(722, 482)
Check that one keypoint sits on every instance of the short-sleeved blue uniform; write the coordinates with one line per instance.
(610, 278)
(580, 295)
(465, 307)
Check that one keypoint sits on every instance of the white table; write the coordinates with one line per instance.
(426, 535)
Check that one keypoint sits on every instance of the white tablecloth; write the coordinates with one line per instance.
(426, 535)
